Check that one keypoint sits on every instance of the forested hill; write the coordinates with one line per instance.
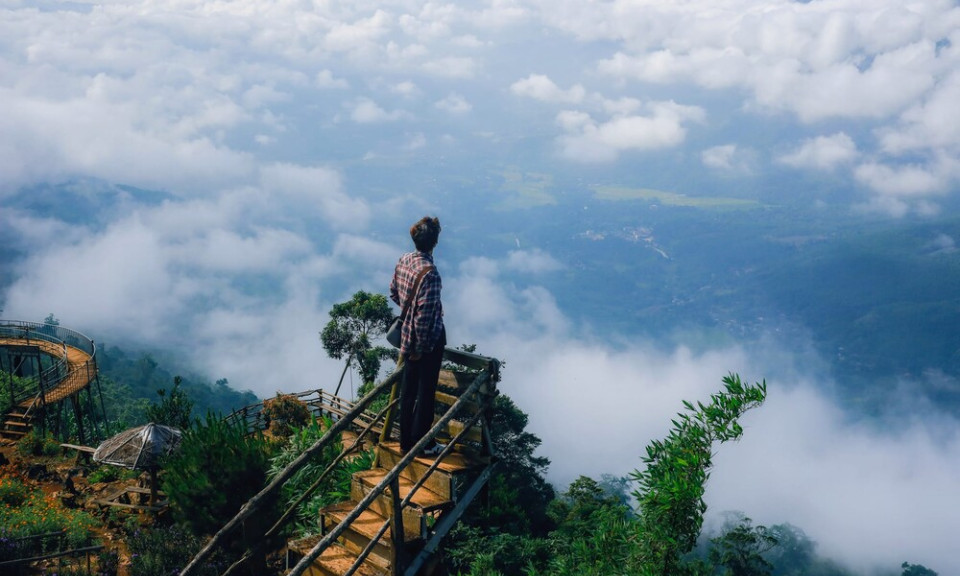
(131, 381)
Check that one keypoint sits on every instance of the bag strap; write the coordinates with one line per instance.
(416, 290)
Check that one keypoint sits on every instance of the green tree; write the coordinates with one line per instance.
(214, 471)
(507, 534)
(740, 550)
(575, 512)
(11, 386)
(519, 492)
(916, 570)
(595, 530)
(353, 326)
(670, 490)
(174, 408)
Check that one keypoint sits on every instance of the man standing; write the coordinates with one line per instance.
(423, 336)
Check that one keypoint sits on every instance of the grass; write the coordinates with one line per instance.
(616, 193)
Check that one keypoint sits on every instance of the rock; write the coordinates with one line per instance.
(37, 471)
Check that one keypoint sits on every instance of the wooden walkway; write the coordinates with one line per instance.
(81, 371)
(78, 375)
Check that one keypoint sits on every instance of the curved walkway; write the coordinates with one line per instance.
(74, 366)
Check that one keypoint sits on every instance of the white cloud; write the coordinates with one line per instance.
(125, 268)
(795, 57)
(728, 158)
(931, 124)
(454, 104)
(943, 244)
(366, 111)
(360, 36)
(901, 181)
(47, 140)
(534, 261)
(406, 88)
(459, 67)
(540, 87)
(326, 80)
(311, 190)
(822, 152)
(855, 489)
(587, 140)
(852, 488)
(415, 141)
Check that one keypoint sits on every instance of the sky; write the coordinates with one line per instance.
(284, 146)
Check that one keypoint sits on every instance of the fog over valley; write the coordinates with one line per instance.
(636, 199)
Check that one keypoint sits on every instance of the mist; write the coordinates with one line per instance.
(871, 493)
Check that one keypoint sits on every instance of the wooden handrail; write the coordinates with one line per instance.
(253, 505)
(394, 472)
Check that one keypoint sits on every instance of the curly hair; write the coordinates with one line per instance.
(425, 233)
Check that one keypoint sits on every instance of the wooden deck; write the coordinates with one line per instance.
(81, 370)
(78, 376)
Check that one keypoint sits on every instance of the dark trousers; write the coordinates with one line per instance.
(418, 395)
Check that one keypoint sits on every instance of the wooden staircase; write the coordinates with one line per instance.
(73, 368)
(399, 511)
(17, 423)
(440, 491)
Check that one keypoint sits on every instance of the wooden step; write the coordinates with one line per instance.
(363, 529)
(444, 481)
(17, 423)
(448, 400)
(424, 503)
(334, 561)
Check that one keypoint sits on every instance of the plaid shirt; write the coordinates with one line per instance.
(424, 321)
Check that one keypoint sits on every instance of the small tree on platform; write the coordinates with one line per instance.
(353, 326)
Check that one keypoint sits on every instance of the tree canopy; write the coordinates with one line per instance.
(353, 326)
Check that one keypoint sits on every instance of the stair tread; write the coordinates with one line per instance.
(424, 499)
(368, 523)
(338, 560)
(452, 463)
(335, 559)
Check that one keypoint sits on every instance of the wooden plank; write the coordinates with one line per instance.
(469, 408)
(79, 448)
(130, 506)
(468, 359)
(455, 381)
(454, 427)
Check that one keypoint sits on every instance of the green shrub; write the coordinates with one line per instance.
(162, 551)
(285, 413)
(175, 409)
(215, 470)
(37, 444)
(104, 473)
(335, 488)
(13, 492)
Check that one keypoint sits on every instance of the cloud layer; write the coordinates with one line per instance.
(197, 97)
